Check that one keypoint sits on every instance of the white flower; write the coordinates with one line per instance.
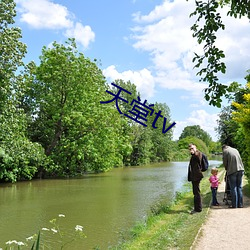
(61, 215)
(10, 242)
(20, 243)
(29, 238)
(78, 228)
(54, 230)
(45, 229)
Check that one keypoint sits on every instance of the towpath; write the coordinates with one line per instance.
(225, 228)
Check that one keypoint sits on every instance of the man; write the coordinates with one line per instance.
(195, 175)
(235, 169)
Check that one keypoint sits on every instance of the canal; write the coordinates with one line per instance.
(105, 204)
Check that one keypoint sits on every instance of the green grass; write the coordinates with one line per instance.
(246, 188)
(170, 226)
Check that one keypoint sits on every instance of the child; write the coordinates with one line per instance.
(214, 185)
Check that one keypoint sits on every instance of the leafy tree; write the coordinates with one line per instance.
(215, 148)
(77, 132)
(227, 127)
(162, 141)
(12, 50)
(196, 131)
(130, 129)
(151, 144)
(229, 130)
(241, 115)
(183, 144)
(20, 158)
(148, 143)
(180, 154)
(208, 23)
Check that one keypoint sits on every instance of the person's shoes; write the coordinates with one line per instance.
(217, 204)
(231, 206)
(240, 206)
(194, 212)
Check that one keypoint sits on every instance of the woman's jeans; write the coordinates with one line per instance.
(214, 196)
(235, 182)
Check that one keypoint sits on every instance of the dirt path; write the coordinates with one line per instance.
(225, 228)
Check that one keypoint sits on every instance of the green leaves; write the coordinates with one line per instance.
(78, 133)
(21, 158)
(239, 8)
(210, 63)
(208, 14)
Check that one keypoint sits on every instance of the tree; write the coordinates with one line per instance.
(196, 131)
(161, 142)
(183, 144)
(77, 132)
(208, 23)
(20, 158)
(12, 50)
(148, 143)
(242, 117)
(215, 148)
(227, 127)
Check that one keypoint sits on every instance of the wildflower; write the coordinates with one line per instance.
(78, 228)
(45, 229)
(10, 242)
(20, 243)
(29, 238)
(61, 215)
(54, 230)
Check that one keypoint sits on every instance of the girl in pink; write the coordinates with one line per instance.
(214, 185)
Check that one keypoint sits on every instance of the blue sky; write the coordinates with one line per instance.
(148, 42)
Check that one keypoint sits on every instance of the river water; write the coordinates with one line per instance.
(104, 204)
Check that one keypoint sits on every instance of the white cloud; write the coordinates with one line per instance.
(234, 41)
(159, 12)
(200, 117)
(165, 33)
(143, 79)
(44, 14)
(83, 34)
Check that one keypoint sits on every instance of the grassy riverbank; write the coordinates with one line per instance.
(170, 227)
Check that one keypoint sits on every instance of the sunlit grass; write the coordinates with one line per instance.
(170, 226)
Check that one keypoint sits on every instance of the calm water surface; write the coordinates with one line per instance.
(104, 204)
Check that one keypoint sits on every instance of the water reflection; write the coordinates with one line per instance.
(105, 204)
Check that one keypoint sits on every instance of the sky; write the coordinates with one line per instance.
(147, 42)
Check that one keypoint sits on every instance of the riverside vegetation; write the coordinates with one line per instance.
(171, 226)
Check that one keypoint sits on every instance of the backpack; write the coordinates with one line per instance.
(204, 163)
